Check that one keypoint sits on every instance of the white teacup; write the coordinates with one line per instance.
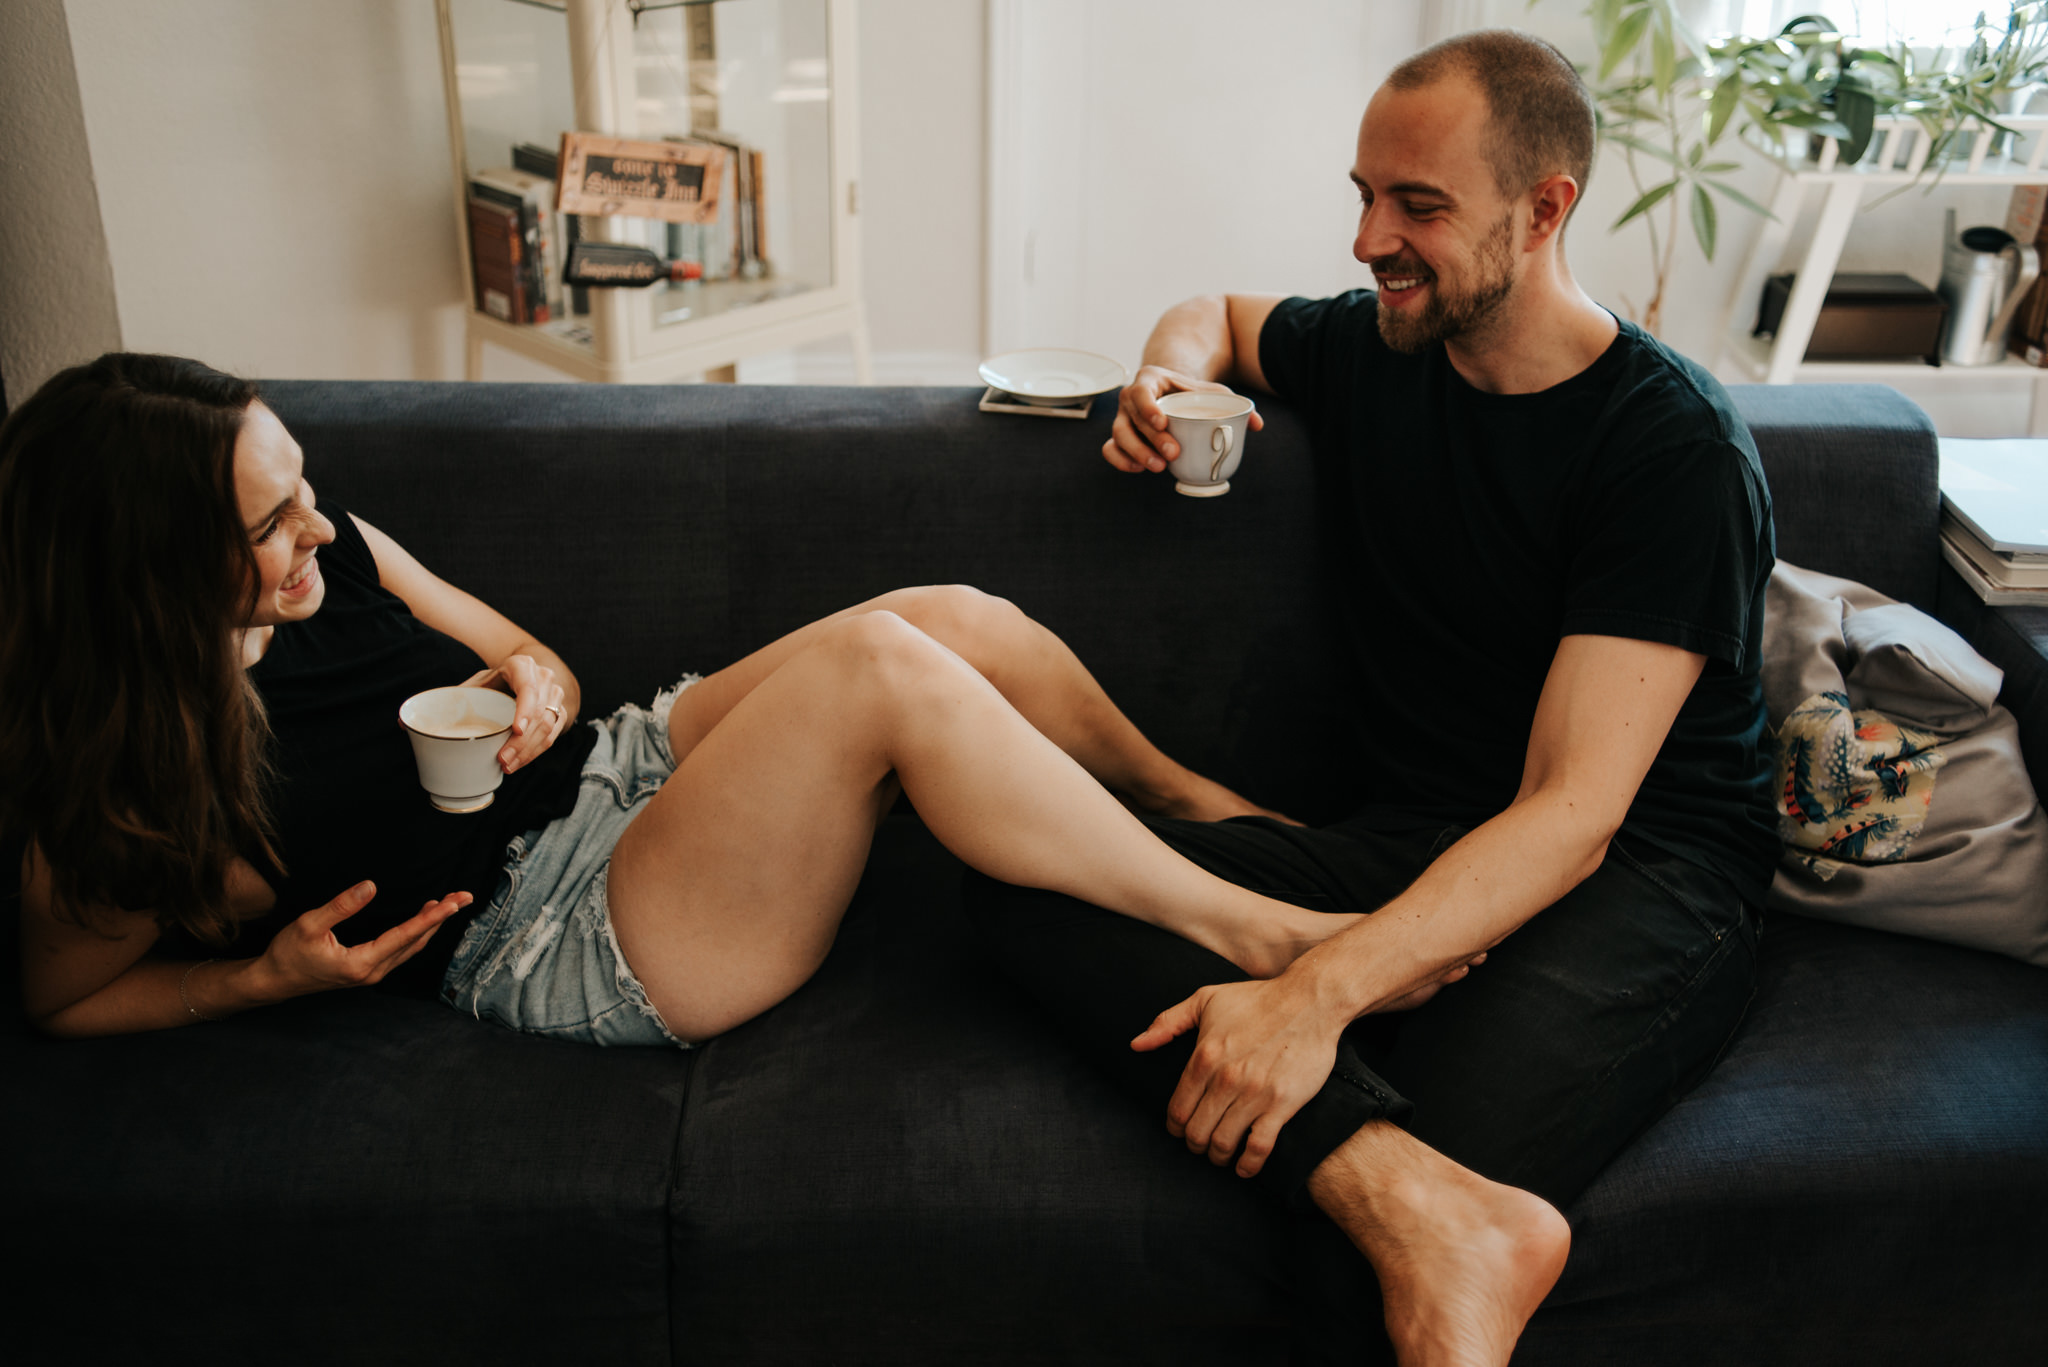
(1210, 428)
(456, 734)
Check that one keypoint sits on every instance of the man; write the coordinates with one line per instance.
(1548, 538)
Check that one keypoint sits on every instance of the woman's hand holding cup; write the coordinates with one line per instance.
(541, 714)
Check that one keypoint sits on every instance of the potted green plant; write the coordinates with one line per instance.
(1670, 99)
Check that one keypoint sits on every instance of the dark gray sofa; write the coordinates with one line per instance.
(900, 1164)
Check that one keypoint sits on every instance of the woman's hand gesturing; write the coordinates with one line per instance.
(541, 715)
(306, 957)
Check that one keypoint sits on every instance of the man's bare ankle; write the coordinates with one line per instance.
(1463, 1262)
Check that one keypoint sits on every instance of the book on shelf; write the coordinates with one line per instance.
(533, 198)
(760, 207)
(734, 246)
(497, 259)
(2026, 218)
(546, 163)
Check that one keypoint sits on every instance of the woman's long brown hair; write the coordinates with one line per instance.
(131, 742)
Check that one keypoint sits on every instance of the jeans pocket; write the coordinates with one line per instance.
(1712, 905)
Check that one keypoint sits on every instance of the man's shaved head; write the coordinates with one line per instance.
(1541, 114)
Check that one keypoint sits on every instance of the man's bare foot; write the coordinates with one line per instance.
(1462, 1262)
(1191, 797)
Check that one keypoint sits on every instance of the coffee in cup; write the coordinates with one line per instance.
(1210, 427)
(456, 734)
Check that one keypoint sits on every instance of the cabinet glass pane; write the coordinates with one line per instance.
(754, 74)
(512, 66)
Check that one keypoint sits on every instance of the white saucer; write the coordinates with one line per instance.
(1044, 375)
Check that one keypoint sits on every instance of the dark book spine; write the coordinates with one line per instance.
(544, 161)
(531, 261)
(498, 261)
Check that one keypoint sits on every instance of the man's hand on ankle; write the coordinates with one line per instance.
(1263, 1049)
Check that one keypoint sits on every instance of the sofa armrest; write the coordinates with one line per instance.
(2016, 640)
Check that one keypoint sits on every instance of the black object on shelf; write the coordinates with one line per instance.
(1866, 316)
(614, 264)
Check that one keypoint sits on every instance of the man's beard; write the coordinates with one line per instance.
(1453, 312)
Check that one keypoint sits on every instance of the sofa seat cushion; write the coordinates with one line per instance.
(352, 1173)
(902, 1162)
(1859, 1180)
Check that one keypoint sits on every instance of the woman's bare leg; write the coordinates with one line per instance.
(727, 892)
(1028, 665)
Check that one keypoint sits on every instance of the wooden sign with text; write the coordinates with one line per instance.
(673, 181)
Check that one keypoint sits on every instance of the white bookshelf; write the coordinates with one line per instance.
(1897, 158)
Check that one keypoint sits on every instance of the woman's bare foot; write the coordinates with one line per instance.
(1410, 1000)
(1462, 1262)
(1266, 947)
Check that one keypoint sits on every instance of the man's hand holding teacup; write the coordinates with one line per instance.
(1139, 439)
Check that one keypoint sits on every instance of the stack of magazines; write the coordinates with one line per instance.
(1994, 517)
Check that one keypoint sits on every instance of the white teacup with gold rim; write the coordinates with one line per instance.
(456, 734)
(1211, 428)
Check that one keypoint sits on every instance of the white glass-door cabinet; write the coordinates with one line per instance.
(772, 80)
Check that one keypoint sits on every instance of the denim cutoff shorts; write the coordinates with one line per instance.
(542, 957)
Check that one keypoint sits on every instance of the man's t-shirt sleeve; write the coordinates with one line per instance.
(1300, 347)
(1671, 544)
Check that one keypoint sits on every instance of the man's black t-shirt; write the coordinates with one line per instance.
(1465, 533)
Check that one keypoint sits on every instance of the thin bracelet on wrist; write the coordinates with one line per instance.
(197, 1014)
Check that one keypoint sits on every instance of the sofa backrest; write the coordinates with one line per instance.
(643, 531)
(1853, 470)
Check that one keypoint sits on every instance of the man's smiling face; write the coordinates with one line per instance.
(1440, 237)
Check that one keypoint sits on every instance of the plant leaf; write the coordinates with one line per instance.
(1651, 199)
(1858, 111)
(1648, 149)
(1724, 188)
(1704, 223)
(1604, 14)
(1626, 35)
(1722, 105)
(1663, 58)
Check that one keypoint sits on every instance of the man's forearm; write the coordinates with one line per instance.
(1194, 338)
(1477, 893)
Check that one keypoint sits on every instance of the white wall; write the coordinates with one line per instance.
(273, 180)
(1137, 162)
(56, 290)
(922, 186)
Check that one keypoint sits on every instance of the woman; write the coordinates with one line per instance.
(200, 670)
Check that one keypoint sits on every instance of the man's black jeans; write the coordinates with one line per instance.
(1579, 1029)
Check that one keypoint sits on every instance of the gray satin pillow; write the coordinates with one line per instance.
(1901, 794)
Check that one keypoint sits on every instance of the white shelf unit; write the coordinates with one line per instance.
(617, 86)
(1897, 158)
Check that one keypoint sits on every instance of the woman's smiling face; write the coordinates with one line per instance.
(285, 529)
